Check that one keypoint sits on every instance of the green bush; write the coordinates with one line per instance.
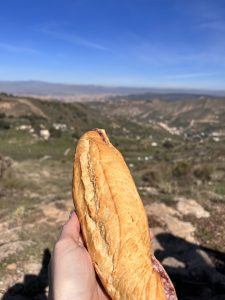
(166, 198)
(204, 172)
(182, 168)
(75, 135)
(168, 144)
(55, 133)
(151, 178)
(4, 124)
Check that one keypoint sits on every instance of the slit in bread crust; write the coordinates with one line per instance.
(91, 215)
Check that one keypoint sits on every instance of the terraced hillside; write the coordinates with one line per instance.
(197, 113)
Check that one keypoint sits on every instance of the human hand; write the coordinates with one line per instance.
(72, 275)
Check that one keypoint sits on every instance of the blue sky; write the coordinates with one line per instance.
(155, 43)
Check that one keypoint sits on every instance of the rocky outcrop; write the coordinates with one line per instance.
(191, 207)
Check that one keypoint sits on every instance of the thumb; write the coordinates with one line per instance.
(71, 229)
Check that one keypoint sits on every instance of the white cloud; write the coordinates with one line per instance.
(17, 49)
(74, 39)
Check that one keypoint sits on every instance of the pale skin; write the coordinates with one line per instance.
(71, 271)
(72, 275)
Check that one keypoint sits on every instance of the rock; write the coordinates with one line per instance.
(191, 207)
(57, 212)
(149, 190)
(59, 126)
(173, 262)
(179, 228)
(169, 217)
(160, 209)
(45, 157)
(45, 134)
(66, 152)
(24, 127)
(216, 139)
(11, 267)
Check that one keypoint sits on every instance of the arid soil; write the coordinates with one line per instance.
(182, 235)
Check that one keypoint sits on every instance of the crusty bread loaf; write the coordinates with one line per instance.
(114, 223)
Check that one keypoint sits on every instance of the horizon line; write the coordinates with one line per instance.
(118, 85)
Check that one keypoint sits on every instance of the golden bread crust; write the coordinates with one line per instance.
(113, 220)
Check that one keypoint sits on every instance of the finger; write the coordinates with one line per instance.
(71, 229)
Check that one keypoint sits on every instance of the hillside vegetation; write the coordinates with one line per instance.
(174, 149)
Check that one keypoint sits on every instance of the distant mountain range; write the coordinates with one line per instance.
(41, 88)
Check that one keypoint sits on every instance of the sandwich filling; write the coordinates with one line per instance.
(168, 286)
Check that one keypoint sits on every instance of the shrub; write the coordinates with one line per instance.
(55, 133)
(4, 124)
(4, 94)
(75, 135)
(203, 172)
(166, 198)
(151, 177)
(182, 168)
(168, 144)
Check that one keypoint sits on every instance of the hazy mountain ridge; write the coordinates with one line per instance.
(41, 88)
